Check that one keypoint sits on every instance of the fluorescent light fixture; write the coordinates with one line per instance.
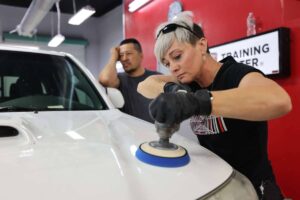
(56, 40)
(81, 15)
(136, 4)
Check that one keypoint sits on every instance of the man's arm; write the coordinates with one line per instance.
(152, 86)
(108, 77)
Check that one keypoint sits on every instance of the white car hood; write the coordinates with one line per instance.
(90, 155)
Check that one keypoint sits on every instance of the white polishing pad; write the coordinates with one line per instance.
(168, 153)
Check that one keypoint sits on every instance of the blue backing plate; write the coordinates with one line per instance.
(162, 161)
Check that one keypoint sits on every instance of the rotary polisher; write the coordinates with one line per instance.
(162, 152)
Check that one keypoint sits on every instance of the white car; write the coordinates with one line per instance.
(63, 138)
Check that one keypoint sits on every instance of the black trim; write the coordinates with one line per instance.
(7, 131)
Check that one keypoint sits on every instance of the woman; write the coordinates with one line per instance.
(229, 103)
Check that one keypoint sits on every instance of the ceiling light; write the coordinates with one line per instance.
(82, 15)
(136, 4)
(56, 40)
(36, 12)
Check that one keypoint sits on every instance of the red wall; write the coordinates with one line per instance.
(224, 21)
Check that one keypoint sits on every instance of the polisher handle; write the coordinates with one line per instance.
(165, 131)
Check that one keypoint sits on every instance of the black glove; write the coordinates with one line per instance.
(174, 87)
(170, 108)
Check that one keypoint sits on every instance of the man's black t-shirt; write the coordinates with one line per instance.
(135, 103)
(242, 143)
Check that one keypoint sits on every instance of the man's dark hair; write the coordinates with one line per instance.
(133, 41)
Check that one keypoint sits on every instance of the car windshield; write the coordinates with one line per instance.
(43, 82)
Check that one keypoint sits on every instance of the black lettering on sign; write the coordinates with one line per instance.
(251, 51)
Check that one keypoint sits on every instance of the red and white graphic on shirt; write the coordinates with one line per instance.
(207, 125)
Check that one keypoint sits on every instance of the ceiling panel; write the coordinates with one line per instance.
(66, 6)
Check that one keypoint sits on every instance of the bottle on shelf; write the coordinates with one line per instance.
(251, 24)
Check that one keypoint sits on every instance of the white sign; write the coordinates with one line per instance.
(261, 52)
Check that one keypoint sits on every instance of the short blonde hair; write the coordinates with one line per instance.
(164, 41)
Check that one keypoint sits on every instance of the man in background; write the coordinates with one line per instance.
(130, 54)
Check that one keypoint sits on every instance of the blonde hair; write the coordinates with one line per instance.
(164, 41)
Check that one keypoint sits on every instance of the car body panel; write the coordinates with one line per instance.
(90, 154)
